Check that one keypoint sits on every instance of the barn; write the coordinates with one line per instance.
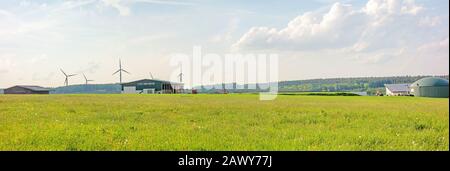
(397, 89)
(26, 90)
(152, 86)
(430, 87)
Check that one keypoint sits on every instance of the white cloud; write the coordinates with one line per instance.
(438, 46)
(118, 4)
(379, 56)
(390, 7)
(336, 28)
(15, 27)
(430, 21)
(380, 24)
(227, 34)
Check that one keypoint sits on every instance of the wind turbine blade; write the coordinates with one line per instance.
(125, 71)
(84, 76)
(116, 72)
(71, 75)
(63, 72)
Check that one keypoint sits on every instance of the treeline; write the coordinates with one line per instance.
(359, 84)
(368, 84)
(88, 89)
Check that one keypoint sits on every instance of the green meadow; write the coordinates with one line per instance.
(222, 122)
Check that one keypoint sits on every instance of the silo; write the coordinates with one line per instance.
(430, 87)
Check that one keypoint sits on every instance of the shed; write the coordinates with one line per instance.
(19, 89)
(397, 89)
(150, 86)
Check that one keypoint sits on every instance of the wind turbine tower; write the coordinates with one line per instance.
(120, 70)
(181, 74)
(66, 81)
(151, 76)
(85, 78)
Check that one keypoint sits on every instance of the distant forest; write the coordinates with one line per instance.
(367, 84)
(361, 84)
(88, 89)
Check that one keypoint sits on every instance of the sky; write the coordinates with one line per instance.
(314, 39)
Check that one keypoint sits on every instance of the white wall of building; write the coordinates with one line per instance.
(129, 90)
(148, 91)
(401, 93)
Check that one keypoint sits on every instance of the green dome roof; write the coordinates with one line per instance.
(430, 81)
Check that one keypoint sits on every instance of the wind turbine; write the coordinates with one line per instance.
(87, 81)
(151, 76)
(66, 81)
(181, 74)
(120, 71)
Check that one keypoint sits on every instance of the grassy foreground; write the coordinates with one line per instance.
(222, 122)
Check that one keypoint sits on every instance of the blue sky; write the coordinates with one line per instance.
(314, 39)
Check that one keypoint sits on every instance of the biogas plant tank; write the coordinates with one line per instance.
(430, 87)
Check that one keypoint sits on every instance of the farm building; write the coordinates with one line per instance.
(430, 87)
(152, 86)
(26, 90)
(397, 89)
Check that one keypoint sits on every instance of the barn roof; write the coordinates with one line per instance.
(154, 80)
(33, 88)
(430, 81)
(397, 87)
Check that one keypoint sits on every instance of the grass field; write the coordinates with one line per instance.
(222, 122)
